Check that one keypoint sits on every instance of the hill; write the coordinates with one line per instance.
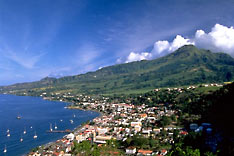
(186, 66)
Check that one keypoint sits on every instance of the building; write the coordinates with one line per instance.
(144, 152)
(70, 136)
(131, 150)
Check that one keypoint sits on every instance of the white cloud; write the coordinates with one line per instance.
(178, 42)
(162, 48)
(220, 39)
(138, 56)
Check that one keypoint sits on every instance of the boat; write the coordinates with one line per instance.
(55, 126)
(74, 115)
(8, 131)
(24, 130)
(61, 120)
(35, 136)
(18, 117)
(5, 149)
(21, 139)
(71, 121)
(31, 127)
(51, 129)
(8, 134)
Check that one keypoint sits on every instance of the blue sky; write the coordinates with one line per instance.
(67, 37)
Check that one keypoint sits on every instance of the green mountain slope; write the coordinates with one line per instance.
(188, 65)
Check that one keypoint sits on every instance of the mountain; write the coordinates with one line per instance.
(186, 66)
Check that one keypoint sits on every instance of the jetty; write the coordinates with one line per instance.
(59, 131)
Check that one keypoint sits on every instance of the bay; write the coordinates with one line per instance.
(36, 116)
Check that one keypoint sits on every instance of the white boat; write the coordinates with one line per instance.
(51, 129)
(55, 126)
(18, 117)
(71, 121)
(8, 131)
(35, 136)
(5, 149)
(74, 115)
(21, 139)
(61, 120)
(25, 130)
(31, 127)
(8, 134)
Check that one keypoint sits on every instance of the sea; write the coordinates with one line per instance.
(36, 117)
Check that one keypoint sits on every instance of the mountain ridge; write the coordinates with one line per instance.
(187, 65)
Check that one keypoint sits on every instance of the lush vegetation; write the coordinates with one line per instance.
(217, 108)
(200, 105)
(87, 149)
(188, 65)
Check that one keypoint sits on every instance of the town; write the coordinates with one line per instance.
(122, 128)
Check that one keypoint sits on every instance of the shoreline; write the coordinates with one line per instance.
(75, 130)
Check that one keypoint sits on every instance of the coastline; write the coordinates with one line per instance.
(78, 128)
(29, 106)
(75, 130)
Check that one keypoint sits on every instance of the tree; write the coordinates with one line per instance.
(165, 121)
(188, 151)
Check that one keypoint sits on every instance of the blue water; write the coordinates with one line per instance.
(37, 113)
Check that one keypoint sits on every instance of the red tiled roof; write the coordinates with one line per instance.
(145, 151)
(163, 151)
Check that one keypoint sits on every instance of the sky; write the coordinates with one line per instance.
(67, 37)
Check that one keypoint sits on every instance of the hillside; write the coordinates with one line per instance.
(187, 65)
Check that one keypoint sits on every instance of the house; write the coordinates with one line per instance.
(137, 128)
(131, 150)
(146, 132)
(143, 116)
(144, 152)
(103, 137)
(156, 130)
(34, 154)
(80, 138)
(183, 133)
(70, 136)
(163, 152)
(68, 149)
(102, 130)
(133, 124)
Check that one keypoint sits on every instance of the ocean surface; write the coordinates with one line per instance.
(36, 116)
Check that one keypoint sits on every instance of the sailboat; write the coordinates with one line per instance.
(5, 149)
(21, 139)
(35, 136)
(24, 130)
(18, 117)
(55, 126)
(51, 129)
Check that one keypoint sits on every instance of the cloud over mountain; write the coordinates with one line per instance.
(138, 56)
(220, 39)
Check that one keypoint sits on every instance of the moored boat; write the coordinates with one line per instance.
(35, 136)
(5, 149)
